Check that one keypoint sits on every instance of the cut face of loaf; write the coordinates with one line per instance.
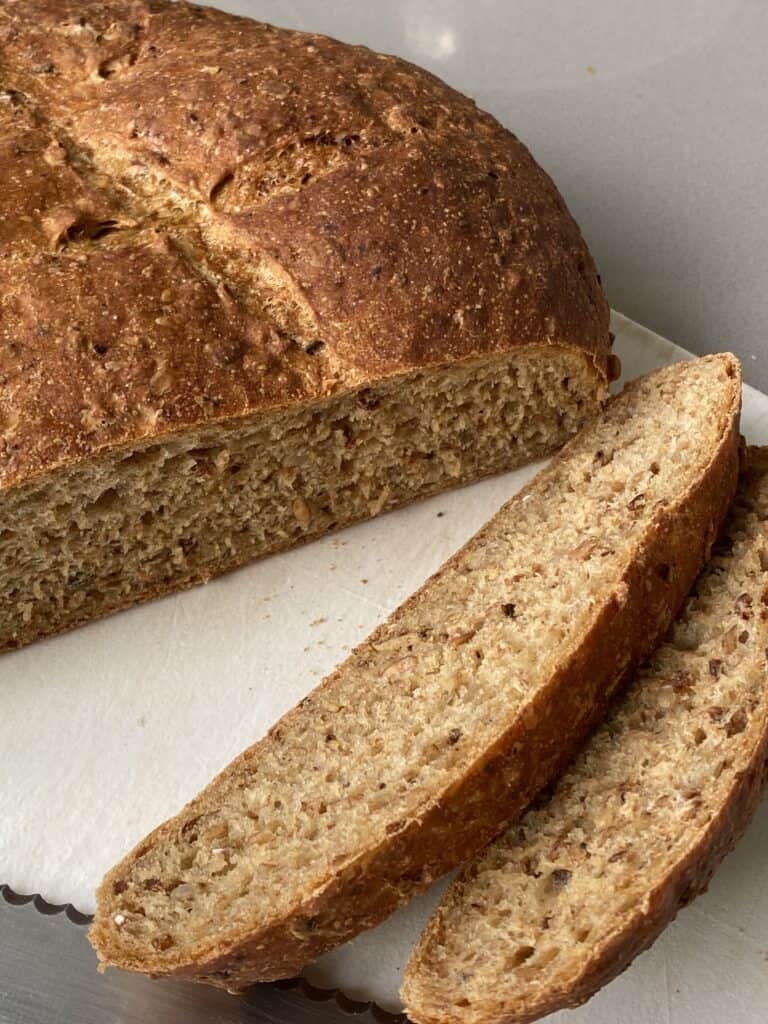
(633, 831)
(85, 541)
(441, 726)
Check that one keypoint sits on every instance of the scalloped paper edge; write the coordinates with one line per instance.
(309, 992)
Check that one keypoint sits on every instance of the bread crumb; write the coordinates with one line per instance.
(119, 920)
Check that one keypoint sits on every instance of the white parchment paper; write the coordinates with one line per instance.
(108, 730)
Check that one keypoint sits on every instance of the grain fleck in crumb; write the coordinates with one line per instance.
(318, 622)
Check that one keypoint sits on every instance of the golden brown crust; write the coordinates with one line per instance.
(288, 190)
(501, 782)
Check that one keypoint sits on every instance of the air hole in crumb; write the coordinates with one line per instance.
(520, 956)
(737, 723)
(368, 400)
(188, 831)
(105, 502)
(603, 458)
(529, 869)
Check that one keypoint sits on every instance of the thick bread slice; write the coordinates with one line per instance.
(440, 727)
(633, 831)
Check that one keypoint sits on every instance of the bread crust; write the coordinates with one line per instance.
(296, 218)
(500, 783)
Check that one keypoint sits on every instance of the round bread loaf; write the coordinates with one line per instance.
(249, 247)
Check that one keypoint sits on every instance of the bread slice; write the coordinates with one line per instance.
(440, 727)
(633, 831)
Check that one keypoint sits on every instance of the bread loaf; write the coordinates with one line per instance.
(256, 285)
(442, 725)
(634, 829)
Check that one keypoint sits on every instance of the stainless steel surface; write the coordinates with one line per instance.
(651, 117)
(48, 976)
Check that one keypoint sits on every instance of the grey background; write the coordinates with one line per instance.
(651, 116)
